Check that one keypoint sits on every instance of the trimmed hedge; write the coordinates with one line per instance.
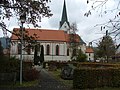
(97, 65)
(95, 78)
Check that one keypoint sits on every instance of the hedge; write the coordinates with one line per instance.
(8, 65)
(95, 78)
(97, 65)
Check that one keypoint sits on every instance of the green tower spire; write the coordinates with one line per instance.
(64, 16)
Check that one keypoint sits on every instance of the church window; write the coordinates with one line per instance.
(89, 58)
(65, 26)
(57, 50)
(48, 50)
(29, 49)
(74, 52)
(19, 48)
(89, 54)
(67, 52)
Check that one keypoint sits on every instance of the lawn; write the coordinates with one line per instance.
(24, 84)
(56, 74)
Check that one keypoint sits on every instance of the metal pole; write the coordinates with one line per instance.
(21, 57)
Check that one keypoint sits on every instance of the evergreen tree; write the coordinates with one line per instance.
(42, 54)
(36, 57)
(106, 48)
(1, 49)
(81, 57)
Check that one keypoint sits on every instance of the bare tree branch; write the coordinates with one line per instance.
(34, 10)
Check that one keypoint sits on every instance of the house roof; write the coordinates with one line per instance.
(47, 35)
(42, 34)
(89, 50)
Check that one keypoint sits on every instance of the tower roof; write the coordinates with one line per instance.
(64, 15)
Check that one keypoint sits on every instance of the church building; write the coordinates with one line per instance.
(56, 43)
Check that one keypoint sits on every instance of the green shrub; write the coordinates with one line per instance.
(30, 74)
(97, 65)
(27, 65)
(115, 78)
(56, 64)
(95, 78)
(8, 65)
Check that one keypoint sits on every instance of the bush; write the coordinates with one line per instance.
(8, 65)
(27, 65)
(95, 78)
(59, 65)
(81, 57)
(7, 78)
(8, 70)
(30, 74)
(97, 65)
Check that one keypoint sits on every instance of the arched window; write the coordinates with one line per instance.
(57, 50)
(29, 49)
(67, 52)
(74, 52)
(48, 50)
(19, 48)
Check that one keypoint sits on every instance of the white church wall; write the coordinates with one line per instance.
(46, 58)
(14, 49)
(83, 48)
(52, 57)
(62, 47)
(57, 58)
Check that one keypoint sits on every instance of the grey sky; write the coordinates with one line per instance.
(75, 12)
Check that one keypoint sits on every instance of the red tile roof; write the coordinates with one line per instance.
(43, 34)
(47, 35)
(89, 50)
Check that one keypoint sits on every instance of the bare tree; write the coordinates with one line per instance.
(73, 28)
(33, 9)
(73, 37)
(101, 6)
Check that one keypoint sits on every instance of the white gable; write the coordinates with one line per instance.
(65, 27)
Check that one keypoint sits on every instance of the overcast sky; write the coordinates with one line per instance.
(75, 12)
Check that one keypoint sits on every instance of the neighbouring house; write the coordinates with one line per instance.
(90, 54)
(56, 43)
(116, 57)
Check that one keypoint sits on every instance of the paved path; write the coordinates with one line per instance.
(47, 82)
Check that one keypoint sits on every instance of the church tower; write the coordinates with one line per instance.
(64, 24)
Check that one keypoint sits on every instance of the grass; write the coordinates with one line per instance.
(100, 89)
(56, 75)
(107, 88)
(27, 84)
(24, 84)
